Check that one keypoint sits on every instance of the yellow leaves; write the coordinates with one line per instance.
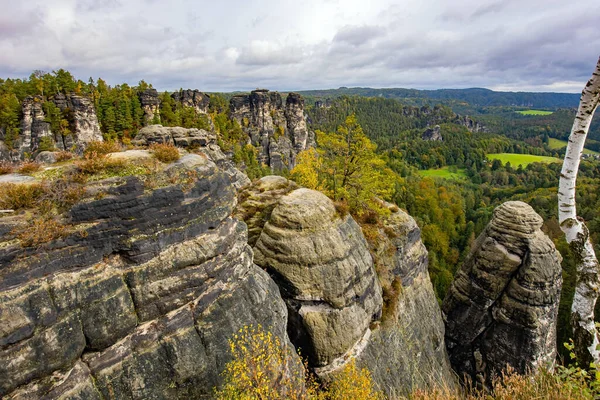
(346, 167)
(262, 368)
(353, 383)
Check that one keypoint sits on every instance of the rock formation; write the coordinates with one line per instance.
(319, 258)
(33, 125)
(150, 104)
(432, 134)
(325, 273)
(469, 123)
(139, 300)
(85, 127)
(502, 306)
(202, 141)
(278, 132)
(408, 350)
(194, 99)
(82, 117)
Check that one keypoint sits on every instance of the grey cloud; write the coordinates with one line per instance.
(358, 35)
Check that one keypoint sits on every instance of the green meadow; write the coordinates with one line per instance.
(534, 112)
(556, 144)
(521, 159)
(444, 173)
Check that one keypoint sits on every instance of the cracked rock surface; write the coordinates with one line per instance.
(502, 306)
(140, 306)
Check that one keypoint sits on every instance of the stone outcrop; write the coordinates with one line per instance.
(279, 131)
(309, 250)
(194, 99)
(33, 126)
(408, 350)
(257, 201)
(85, 126)
(502, 306)
(432, 134)
(139, 300)
(150, 104)
(469, 123)
(193, 139)
(325, 273)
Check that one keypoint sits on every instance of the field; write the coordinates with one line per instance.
(556, 144)
(444, 173)
(534, 112)
(521, 159)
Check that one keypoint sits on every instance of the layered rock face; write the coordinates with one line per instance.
(150, 104)
(502, 306)
(139, 301)
(408, 350)
(322, 265)
(33, 125)
(84, 124)
(194, 99)
(325, 272)
(278, 131)
(198, 139)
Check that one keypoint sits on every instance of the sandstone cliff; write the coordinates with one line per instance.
(502, 306)
(322, 264)
(84, 127)
(279, 131)
(139, 300)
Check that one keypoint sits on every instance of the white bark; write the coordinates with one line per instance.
(585, 335)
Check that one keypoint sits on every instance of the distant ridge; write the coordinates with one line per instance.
(473, 96)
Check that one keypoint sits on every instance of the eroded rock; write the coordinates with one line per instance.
(502, 306)
(279, 131)
(140, 300)
(325, 273)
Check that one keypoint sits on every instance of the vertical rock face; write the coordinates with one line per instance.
(467, 122)
(192, 98)
(85, 127)
(81, 115)
(408, 350)
(150, 104)
(279, 132)
(325, 273)
(33, 126)
(502, 306)
(140, 306)
(432, 134)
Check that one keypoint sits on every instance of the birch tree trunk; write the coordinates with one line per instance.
(585, 336)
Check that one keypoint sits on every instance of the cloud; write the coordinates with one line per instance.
(240, 45)
(358, 35)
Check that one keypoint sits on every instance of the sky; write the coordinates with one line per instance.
(513, 45)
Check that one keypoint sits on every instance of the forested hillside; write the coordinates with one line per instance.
(473, 96)
(453, 208)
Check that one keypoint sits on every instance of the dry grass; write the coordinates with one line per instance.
(6, 168)
(101, 148)
(166, 153)
(561, 384)
(40, 231)
(19, 196)
(95, 163)
(29, 167)
(342, 208)
(64, 156)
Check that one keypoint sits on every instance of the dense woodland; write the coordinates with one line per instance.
(385, 136)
